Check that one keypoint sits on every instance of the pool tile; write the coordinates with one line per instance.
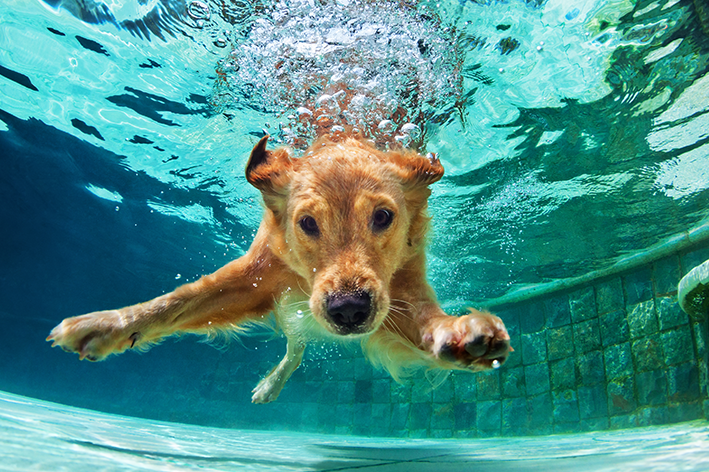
(677, 345)
(531, 318)
(642, 319)
(587, 336)
(609, 296)
(465, 416)
(618, 361)
(514, 416)
(537, 378)
(614, 328)
(583, 304)
(540, 412)
(592, 402)
(489, 416)
(557, 311)
(513, 383)
(621, 396)
(566, 408)
(683, 383)
(563, 374)
(652, 387)
(647, 353)
(666, 275)
(591, 368)
(419, 416)
(669, 314)
(638, 286)
(560, 342)
(534, 348)
(488, 385)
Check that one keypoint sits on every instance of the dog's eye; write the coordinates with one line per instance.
(309, 226)
(382, 219)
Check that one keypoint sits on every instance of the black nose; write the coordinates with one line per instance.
(349, 311)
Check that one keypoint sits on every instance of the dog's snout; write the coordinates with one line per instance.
(349, 311)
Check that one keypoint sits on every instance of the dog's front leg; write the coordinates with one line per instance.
(243, 290)
(270, 386)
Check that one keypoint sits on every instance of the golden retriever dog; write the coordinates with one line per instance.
(340, 253)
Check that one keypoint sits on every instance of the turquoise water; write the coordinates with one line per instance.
(47, 436)
(574, 138)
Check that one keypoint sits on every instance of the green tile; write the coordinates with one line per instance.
(563, 374)
(638, 286)
(683, 383)
(534, 348)
(592, 402)
(514, 416)
(489, 416)
(537, 378)
(488, 385)
(560, 342)
(642, 319)
(557, 311)
(618, 361)
(587, 336)
(666, 275)
(621, 396)
(609, 296)
(648, 354)
(513, 384)
(651, 387)
(540, 411)
(614, 328)
(531, 318)
(583, 304)
(566, 407)
(677, 345)
(465, 415)
(591, 368)
(669, 314)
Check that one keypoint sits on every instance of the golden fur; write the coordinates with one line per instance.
(339, 253)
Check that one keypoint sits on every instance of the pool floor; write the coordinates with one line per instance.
(38, 435)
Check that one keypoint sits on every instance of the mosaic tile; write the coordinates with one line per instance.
(421, 391)
(683, 382)
(621, 396)
(511, 318)
(514, 416)
(609, 296)
(419, 416)
(666, 275)
(566, 408)
(583, 304)
(466, 386)
(563, 374)
(488, 385)
(692, 259)
(592, 402)
(647, 353)
(540, 411)
(560, 342)
(399, 415)
(677, 345)
(534, 348)
(642, 319)
(669, 314)
(443, 416)
(465, 415)
(557, 311)
(345, 392)
(489, 416)
(444, 393)
(537, 378)
(381, 390)
(614, 328)
(685, 412)
(381, 414)
(591, 368)
(654, 415)
(618, 361)
(513, 384)
(638, 286)
(587, 336)
(651, 387)
(531, 318)
(363, 391)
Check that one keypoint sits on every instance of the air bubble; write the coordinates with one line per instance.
(198, 10)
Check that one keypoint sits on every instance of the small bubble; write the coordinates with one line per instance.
(299, 314)
(496, 364)
(178, 276)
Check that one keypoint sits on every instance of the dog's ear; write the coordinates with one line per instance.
(419, 171)
(268, 172)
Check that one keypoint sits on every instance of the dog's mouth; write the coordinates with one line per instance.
(350, 313)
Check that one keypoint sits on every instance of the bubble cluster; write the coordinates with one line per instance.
(379, 68)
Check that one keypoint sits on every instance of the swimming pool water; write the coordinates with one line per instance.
(574, 137)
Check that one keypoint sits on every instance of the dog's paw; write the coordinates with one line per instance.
(94, 336)
(267, 389)
(478, 341)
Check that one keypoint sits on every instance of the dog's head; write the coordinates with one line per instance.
(345, 217)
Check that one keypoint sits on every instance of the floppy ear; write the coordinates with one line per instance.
(417, 171)
(268, 172)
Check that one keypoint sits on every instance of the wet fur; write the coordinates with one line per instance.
(339, 183)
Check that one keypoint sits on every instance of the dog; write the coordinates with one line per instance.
(340, 253)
